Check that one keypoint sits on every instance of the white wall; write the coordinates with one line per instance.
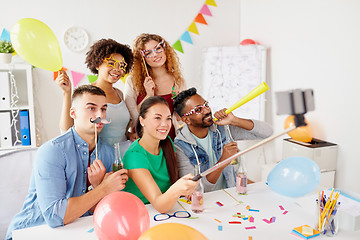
(121, 20)
(314, 44)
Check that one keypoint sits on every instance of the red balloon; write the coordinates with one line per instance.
(120, 215)
(247, 42)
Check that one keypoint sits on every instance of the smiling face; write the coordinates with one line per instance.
(198, 113)
(157, 56)
(112, 69)
(157, 122)
(86, 107)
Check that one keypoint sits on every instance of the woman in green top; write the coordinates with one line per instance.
(151, 161)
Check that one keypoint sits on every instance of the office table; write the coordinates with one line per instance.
(259, 197)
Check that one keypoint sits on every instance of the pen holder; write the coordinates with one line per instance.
(329, 220)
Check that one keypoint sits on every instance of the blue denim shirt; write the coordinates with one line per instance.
(195, 152)
(188, 151)
(59, 173)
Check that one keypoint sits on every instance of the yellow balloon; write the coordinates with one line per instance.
(173, 231)
(303, 134)
(34, 41)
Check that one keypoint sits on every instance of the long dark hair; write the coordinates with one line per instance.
(166, 144)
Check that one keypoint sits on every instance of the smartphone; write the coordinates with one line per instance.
(296, 101)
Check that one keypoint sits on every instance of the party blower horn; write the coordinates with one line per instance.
(295, 102)
(263, 87)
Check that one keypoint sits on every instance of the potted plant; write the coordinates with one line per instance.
(6, 51)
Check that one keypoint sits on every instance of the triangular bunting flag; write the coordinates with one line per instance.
(186, 37)
(57, 73)
(211, 2)
(177, 46)
(76, 77)
(200, 19)
(5, 35)
(205, 10)
(92, 78)
(192, 28)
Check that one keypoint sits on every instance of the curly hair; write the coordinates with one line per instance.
(181, 98)
(172, 63)
(103, 49)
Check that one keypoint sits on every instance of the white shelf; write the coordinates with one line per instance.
(23, 80)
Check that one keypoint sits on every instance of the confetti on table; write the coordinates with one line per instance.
(267, 221)
(235, 222)
(219, 228)
(91, 230)
(253, 227)
(251, 219)
(281, 207)
(193, 217)
(253, 210)
(272, 219)
(250, 238)
(247, 207)
(220, 204)
(285, 212)
(217, 220)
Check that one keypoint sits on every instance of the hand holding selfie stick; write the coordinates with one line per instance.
(295, 106)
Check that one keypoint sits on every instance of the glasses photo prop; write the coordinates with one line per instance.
(198, 109)
(165, 216)
(151, 52)
(116, 64)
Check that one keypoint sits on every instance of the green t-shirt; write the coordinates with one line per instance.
(137, 157)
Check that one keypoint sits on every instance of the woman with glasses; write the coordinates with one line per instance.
(109, 60)
(151, 162)
(156, 72)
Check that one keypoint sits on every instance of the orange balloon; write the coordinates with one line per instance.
(303, 134)
(174, 231)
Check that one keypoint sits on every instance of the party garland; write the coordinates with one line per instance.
(186, 37)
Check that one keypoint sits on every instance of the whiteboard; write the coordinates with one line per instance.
(229, 73)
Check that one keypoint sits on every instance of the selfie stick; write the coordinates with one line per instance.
(229, 159)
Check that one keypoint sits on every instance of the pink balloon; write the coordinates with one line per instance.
(120, 215)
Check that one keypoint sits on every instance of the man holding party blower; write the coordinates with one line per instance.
(201, 142)
(66, 169)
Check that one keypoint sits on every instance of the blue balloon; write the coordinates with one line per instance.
(294, 177)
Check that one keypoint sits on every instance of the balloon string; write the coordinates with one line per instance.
(232, 196)
(181, 205)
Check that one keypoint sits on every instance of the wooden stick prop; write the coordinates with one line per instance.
(263, 87)
(147, 73)
(96, 121)
(229, 159)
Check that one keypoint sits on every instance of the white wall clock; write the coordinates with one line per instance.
(76, 39)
